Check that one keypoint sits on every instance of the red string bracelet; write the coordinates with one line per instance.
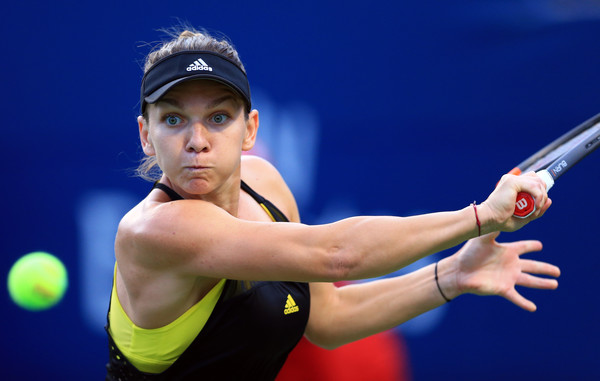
(477, 217)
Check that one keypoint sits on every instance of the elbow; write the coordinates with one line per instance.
(326, 341)
(331, 337)
(340, 263)
(326, 346)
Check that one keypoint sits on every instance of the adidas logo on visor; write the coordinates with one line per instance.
(199, 64)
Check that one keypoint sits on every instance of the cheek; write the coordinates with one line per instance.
(158, 147)
(162, 152)
(241, 135)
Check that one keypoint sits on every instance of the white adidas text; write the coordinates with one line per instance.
(194, 68)
(199, 64)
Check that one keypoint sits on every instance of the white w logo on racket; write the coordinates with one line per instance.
(521, 204)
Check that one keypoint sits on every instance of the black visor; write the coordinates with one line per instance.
(187, 65)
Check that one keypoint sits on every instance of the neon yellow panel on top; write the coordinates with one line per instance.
(154, 350)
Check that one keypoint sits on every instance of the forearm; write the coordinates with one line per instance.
(359, 310)
(372, 246)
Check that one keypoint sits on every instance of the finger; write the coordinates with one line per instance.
(536, 187)
(528, 280)
(526, 246)
(542, 268)
(514, 297)
(546, 206)
(541, 205)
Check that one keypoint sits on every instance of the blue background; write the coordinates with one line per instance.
(416, 107)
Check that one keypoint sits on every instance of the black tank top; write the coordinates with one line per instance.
(251, 331)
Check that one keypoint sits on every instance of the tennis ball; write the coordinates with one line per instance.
(37, 281)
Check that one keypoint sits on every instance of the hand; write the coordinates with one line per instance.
(486, 267)
(500, 205)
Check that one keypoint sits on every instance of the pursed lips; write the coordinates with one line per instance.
(196, 167)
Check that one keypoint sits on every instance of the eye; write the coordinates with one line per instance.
(219, 118)
(172, 120)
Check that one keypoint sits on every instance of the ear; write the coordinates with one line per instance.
(145, 136)
(251, 129)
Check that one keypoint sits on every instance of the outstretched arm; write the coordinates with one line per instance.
(196, 238)
(482, 266)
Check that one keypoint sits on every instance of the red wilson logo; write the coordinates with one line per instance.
(522, 204)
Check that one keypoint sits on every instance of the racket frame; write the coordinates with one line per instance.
(525, 204)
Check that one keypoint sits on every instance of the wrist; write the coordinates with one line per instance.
(487, 222)
(477, 220)
(445, 276)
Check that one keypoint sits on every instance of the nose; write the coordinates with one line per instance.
(197, 139)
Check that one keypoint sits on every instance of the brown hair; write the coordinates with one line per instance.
(192, 40)
(182, 39)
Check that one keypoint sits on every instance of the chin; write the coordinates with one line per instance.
(197, 187)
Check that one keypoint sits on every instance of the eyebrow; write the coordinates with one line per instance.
(223, 99)
(169, 101)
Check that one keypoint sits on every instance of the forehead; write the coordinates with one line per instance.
(201, 88)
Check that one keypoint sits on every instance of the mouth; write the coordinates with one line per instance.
(196, 167)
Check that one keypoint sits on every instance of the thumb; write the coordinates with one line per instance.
(490, 237)
(517, 299)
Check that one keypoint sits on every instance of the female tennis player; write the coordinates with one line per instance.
(209, 284)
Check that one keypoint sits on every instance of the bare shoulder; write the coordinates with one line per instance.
(255, 169)
(264, 178)
(161, 270)
(152, 234)
(128, 226)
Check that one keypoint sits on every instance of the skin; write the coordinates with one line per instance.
(170, 254)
